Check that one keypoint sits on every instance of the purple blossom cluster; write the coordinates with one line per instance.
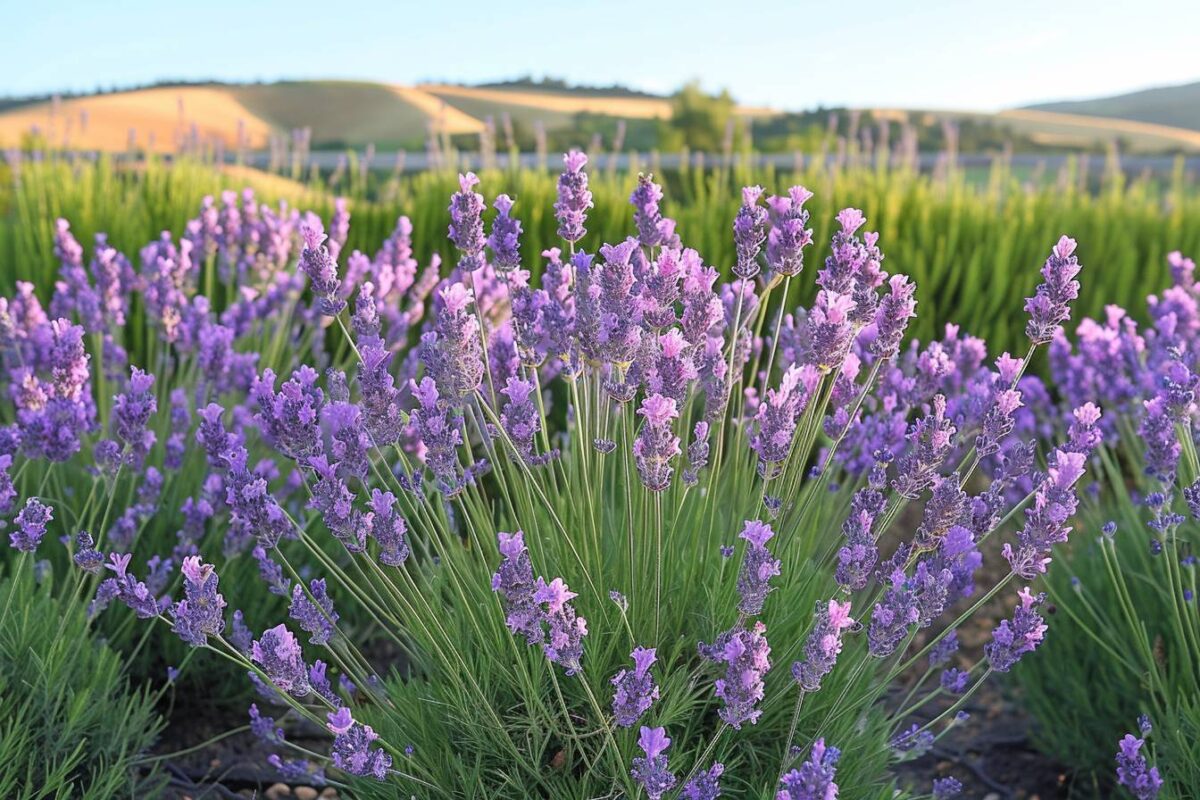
(663, 372)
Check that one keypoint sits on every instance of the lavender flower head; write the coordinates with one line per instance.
(788, 236)
(749, 231)
(758, 567)
(894, 311)
(746, 654)
(814, 779)
(564, 628)
(200, 614)
(823, 645)
(505, 240)
(651, 770)
(514, 583)
(352, 752)
(1051, 305)
(1134, 773)
(574, 199)
(656, 444)
(706, 785)
(314, 614)
(317, 263)
(635, 689)
(1013, 639)
(466, 223)
(31, 525)
(278, 653)
(646, 215)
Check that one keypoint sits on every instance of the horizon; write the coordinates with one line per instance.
(947, 61)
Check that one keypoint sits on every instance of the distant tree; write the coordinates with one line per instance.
(702, 120)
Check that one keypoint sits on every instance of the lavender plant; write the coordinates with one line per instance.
(484, 496)
(1127, 615)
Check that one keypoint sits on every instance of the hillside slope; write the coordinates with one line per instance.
(1177, 106)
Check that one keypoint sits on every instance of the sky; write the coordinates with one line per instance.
(789, 55)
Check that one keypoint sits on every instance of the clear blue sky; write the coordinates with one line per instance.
(933, 54)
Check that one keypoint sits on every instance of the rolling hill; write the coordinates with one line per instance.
(357, 113)
(1175, 106)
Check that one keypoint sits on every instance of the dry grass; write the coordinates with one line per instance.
(627, 107)
(1106, 126)
(160, 119)
(446, 118)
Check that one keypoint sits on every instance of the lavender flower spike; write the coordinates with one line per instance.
(466, 223)
(505, 240)
(651, 770)
(1013, 639)
(635, 690)
(749, 231)
(574, 199)
(706, 785)
(814, 779)
(656, 445)
(199, 615)
(278, 653)
(1051, 305)
(1142, 780)
(758, 567)
(31, 525)
(823, 646)
(319, 266)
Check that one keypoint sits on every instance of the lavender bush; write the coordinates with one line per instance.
(1128, 618)
(622, 527)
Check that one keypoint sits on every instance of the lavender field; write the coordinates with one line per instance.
(570, 515)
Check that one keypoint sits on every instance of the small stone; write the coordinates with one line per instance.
(330, 793)
(305, 793)
(278, 790)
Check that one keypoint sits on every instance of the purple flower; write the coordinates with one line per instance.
(440, 434)
(86, 556)
(1133, 772)
(318, 264)
(814, 779)
(788, 236)
(777, 416)
(278, 653)
(574, 199)
(746, 655)
(564, 628)
(954, 680)
(823, 645)
(131, 412)
(749, 231)
(944, 649)
(894, 311)
(352, 752)
(521, 420)
(706, 785)
(1013, 639)
(857, 558)
(200, 614)
(1051, 305)
(515, 584)
(8, 491)
(651, 770)
(466, 223)
(333, 498)
(290, 420)
(314, 614)
(997, 421)
(124, 587)
(505, 240)
(386, 526)
(264, 728)
(1045, 520)
(930, 439)
(946, 788)
(240, 636)
(830, 329)
(758, 567)
(380, 399)
(635, 690)
(646, 215)
(31, 525)
(656, 444)
(451, 352)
